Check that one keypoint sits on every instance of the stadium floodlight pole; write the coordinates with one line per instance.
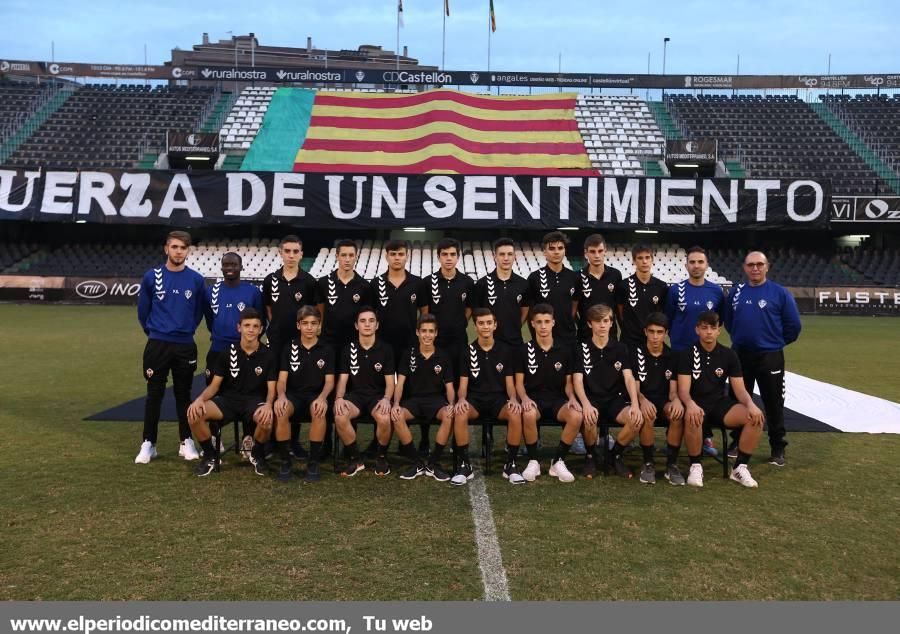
(399, 18)
(489, 45)
(665, 42)
(444, 38)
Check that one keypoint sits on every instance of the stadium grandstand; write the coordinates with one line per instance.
(848, 142)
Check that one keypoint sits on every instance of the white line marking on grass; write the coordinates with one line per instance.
(493, 574)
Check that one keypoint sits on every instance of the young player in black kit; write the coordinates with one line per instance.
(638, 295)
(486, 388)
(365, 386)
(554, 284)
(654, 365)
(305, 380)
(544, 387)
(243, 388)
(424, 391)
(606, 388)
(597, 284)
(705, 371)
(285, 291)
(505, 294)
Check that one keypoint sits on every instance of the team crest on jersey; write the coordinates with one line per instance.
(668, 374)
(258, 370)
(241, 306)
(378, 367)
(557, 366)
(207, 373)
(572, 291)
(519, 298)
(187, 294)
(719, 372)
(355, 298)
(438, 369)
(320, 363)
(611, 287)
(762, 303)
(617, 365)
(148, 373)
(412, 298)
(709, 305)
(499, 368)
(463, 296)
(298, 296)
(655, 299)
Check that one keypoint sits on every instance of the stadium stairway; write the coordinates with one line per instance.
(857, 145)
(218, 113)
(34, 122)
(735, 168)
(664, 120)
(232, 162)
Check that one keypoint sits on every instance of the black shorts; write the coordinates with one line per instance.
(424, 407)
(715, 412)
(301, 402)
(549, 406)
(487, 405)
(365, 402)
(610, 408)
(162, 356)
(237, 407)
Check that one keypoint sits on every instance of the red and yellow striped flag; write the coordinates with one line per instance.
(443, 131)
(493, 17)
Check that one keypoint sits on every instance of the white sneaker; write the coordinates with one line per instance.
(532, 470)
(146, 454)
(187, 450)
(741, 475)
(695, 476)
(559, 470)
(246, 447)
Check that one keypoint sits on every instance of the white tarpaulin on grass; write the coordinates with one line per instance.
(841, 408)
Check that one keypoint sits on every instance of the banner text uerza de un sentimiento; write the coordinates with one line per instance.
(437, 201)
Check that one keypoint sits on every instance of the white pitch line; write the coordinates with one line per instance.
(490, 560)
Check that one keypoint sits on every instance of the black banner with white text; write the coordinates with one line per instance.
(434, 201)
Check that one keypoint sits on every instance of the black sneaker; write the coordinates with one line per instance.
(620, 468)
(205, 467)
(511, 472)
(463, 474)
(260, 467)
(777, 458)
(437, 472)
(590, 467)
(284, 472)
(353, 467)
(413, 472)
(299, 451)
(312, 473)
(382, 468)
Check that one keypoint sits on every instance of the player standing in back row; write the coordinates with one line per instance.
(505, 294)
(598, 283)
(170, 308)
(638, 295)
(554, 284)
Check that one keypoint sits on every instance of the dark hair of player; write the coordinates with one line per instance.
(290, 238)
(657, 319)
(540, 309)
(481, 312)
(554, 236)
(449, 243)
(366, 309)
(396, 245)
(708, 317)
(598, 312)
(427, 318)
(696, 249)
(641, 248)
(232, 255)
(503, 242)
(594, 240)
(184, 236)
(309, 311)
(340, 244)
(249, 313)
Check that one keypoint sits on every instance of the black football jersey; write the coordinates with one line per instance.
(245, 375)
(709, 371)
(592, 291)
(602, 368)
(638, 300)
(654, 373)
(487, 369)
(285, 298)
(544, 371)
(367, 367)
(546, 286)
(396, 309)
(342, 302)
(307, 367)
(504, 298)
(447, 299)
(425, 377)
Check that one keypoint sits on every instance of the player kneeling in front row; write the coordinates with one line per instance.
(305, 380)
(657, 382)
(544, 386)
(703, 371)
(242, 388)
(365, 386)
(424, 391)
(602, 380)
(486, 389)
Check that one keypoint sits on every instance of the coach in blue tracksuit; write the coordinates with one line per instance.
(224, 302)
(762, 318)
(170, 308)
(688, 298)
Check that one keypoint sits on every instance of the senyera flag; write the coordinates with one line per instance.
(443, 131)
